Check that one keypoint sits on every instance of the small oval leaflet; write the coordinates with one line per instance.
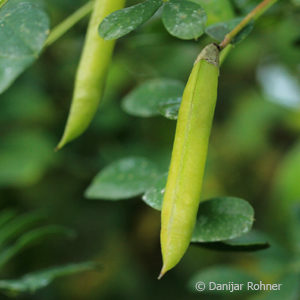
(218, 31)
(184, 19)
(223, 219)
(219, 219)
(249, 242)
(123, 179)
(170, 109)
(123, 21)
(24, 28)
(154, 195)
(150, 97)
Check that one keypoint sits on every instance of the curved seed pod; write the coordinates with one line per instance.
(91, 73)
(183, 189)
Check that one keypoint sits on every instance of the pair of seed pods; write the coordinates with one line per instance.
(183, 189)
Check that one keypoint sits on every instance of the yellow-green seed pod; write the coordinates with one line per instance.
(91, 73)
(183, 189)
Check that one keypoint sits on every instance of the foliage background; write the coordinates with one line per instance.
(254, 154)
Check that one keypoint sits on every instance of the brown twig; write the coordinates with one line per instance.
(253, 15)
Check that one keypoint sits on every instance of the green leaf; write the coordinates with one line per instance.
(34, 281)
(18, 225)
(184, 19)
(227, 247)
(252, 241)
(219, 30)
(123, 179)
(170, 109)
(24, 157)
(216, 10)
(148, 99)
(222, 219)
(33, 236)
(220, 275)
(218, 219)
(123, 21)
(154, 195)
(24, 28)
(243, 33)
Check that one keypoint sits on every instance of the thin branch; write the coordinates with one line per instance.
(253, 15)
(68, 23)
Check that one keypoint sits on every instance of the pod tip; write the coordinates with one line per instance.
(162, 273)
(59, 145)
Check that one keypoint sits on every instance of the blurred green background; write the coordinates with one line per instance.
(254, 154)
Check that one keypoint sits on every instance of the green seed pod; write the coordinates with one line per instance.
(91, 73)
(183, 189)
